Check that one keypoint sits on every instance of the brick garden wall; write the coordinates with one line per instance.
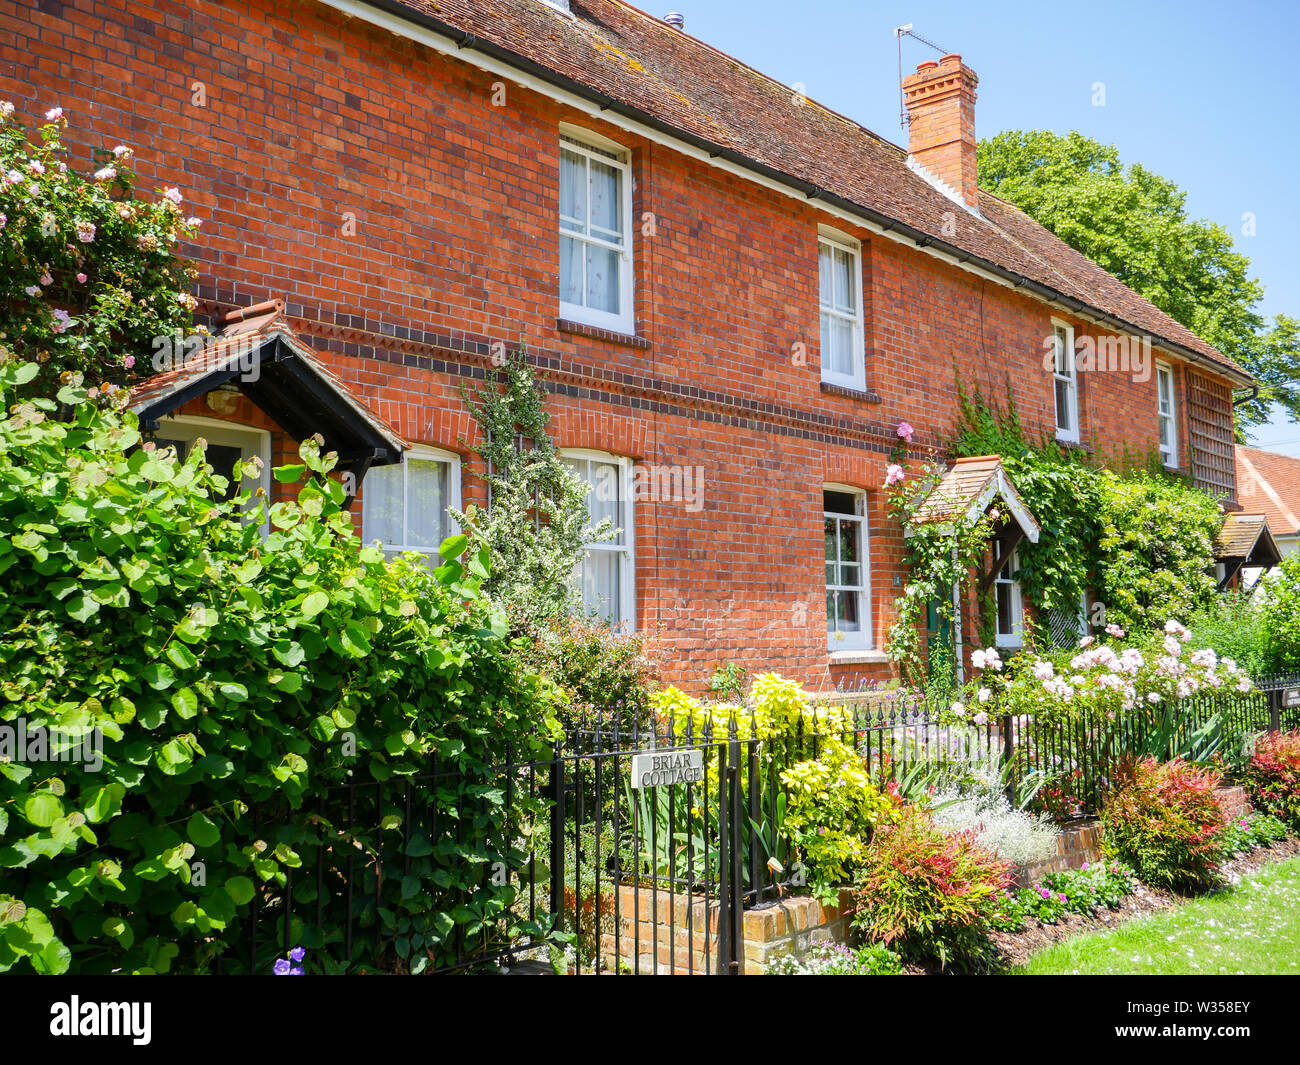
(409, 224)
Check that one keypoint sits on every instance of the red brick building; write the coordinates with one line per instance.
(728, 289)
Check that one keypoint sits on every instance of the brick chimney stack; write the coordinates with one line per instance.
(940, 101)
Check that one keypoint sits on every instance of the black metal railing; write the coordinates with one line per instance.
(603, 876)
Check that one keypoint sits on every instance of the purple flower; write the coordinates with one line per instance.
(297, 954)
(1063, 898)
(282, 966)
(1046, 894)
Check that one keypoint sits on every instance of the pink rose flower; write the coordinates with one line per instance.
(905, 431)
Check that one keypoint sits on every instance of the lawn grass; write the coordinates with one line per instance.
(1253, 927)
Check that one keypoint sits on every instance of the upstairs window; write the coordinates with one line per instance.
(595, 234)
(848, 591)
(1066, 382)
(840, 297)
(404, 506)
(1166, 414)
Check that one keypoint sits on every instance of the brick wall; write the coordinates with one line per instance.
(409, 223)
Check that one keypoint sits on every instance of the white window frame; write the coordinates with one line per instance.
(425, 452)
(1165, 372)
(593, 146)
(249, 438)
(1070, 378)
(626, 620)
(856, 380)
(863, 639)
(1016, 637)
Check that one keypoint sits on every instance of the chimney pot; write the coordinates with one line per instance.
(940, 102)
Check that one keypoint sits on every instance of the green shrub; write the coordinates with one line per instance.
(1233, 626)
(1095, 886)
(1280, 613)
(1156, 553)
(928, 894)
(1253, 831)
(1166, 822)
(234, 679)
(1273, 776)
(604, 673)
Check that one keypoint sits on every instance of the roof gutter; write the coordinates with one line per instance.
(391, 14)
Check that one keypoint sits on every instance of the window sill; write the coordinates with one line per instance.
(866, 395)
(595, 332)
(863, 657)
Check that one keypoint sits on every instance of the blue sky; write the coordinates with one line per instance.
(1201, 92)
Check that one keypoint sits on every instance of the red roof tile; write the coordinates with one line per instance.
(1270, 484)
(664, 76)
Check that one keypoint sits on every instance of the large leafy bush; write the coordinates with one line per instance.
(89, 273)
(249, 690)
(1273, 776)
(1167, 823)
(1280, 613)
(1156, 549)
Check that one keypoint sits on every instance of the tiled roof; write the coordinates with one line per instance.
(1270, 484)
(262, 355)
(969, 487)
(1246, 536)
(666, 78)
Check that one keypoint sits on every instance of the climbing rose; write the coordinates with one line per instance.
(905, 431)
(108, 173)
(893, 474)
(54, 114)
(61, 320)
(173, 194)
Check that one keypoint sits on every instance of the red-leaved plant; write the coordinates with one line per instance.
(926, 893)
(1164, 819)
(1273, 776)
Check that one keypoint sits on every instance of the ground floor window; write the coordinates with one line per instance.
(606, 572)
(1010, 606)
(227, 444)
(405, 505)
(848, 594)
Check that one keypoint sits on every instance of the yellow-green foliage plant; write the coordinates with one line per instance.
(832, 806)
